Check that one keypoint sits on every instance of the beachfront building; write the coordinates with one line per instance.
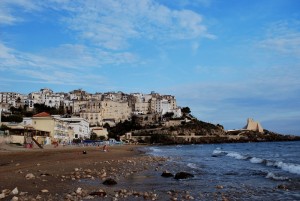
(100, 132)
(79, 126)
(61, 129)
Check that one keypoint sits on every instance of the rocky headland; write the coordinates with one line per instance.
(200, 132)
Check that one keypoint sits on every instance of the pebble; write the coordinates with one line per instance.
(6, 191)
(15, 198)
(29, 176)
(2, 195)
(79, 191)
(15, 191)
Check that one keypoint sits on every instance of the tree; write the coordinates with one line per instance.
(12, 118)
(169, 115)
(186, 110)
(4, 127)
(93, 136)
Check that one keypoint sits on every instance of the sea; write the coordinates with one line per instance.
(234, 171)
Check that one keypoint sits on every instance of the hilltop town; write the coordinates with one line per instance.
(47, 117)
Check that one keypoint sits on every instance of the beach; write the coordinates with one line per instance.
(71, 173)
(235, 171)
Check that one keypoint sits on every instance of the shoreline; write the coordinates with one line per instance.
(67, 173)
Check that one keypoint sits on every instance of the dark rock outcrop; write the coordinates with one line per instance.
(110, 182)
(183, 175)
(167, 174)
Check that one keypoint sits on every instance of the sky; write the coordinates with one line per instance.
(226, 60)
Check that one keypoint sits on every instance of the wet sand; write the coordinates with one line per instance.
(66, 173)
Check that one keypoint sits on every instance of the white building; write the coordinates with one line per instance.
(80, 127)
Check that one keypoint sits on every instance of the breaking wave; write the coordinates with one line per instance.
(192, 165)
(288, 167)
(271, 175)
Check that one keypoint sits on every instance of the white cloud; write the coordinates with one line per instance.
(68, 64)
(112, 24)
(8, 16)
(283, 37)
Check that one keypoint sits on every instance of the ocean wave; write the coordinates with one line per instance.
(155, 151)
(217, 153)
(236, 155)
(256, 160)
(271, 175)
(288, 167)
(192, 165)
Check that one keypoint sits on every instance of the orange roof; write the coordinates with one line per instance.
(42, 114)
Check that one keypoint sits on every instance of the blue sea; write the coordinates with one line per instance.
(239, 171)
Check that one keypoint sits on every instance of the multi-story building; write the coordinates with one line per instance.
(10, 98)
(79, 105)
(61, 129)
(96, 108)
(117, 111)
(80, 127)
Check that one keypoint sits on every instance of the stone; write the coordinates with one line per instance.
(14, 198)
(23, 193)
(109, 182)
(44, 191)
(15, 191)
(167, 174)
(2, 195)
(89, 197)
(29, 176)
(79, 191)
(183, 175)
(282, 186)
(6, 191)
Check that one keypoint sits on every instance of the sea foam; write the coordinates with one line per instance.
(256, 160)
(271, 175)
(192, 165)
(288, 167)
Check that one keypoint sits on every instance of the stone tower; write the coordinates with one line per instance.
(253, 126)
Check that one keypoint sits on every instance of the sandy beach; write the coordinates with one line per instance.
(67, 173)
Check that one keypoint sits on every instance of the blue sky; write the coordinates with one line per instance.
(226, 60)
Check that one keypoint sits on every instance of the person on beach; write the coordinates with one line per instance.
(105, 148)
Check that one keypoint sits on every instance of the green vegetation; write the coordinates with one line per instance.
(186, 110)
(38, 108)
(161, 138)
(12, 118)
(122, 127)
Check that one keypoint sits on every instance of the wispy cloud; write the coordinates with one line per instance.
(9, 16)
(283, 37)
(63, 65)
(113, 24)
